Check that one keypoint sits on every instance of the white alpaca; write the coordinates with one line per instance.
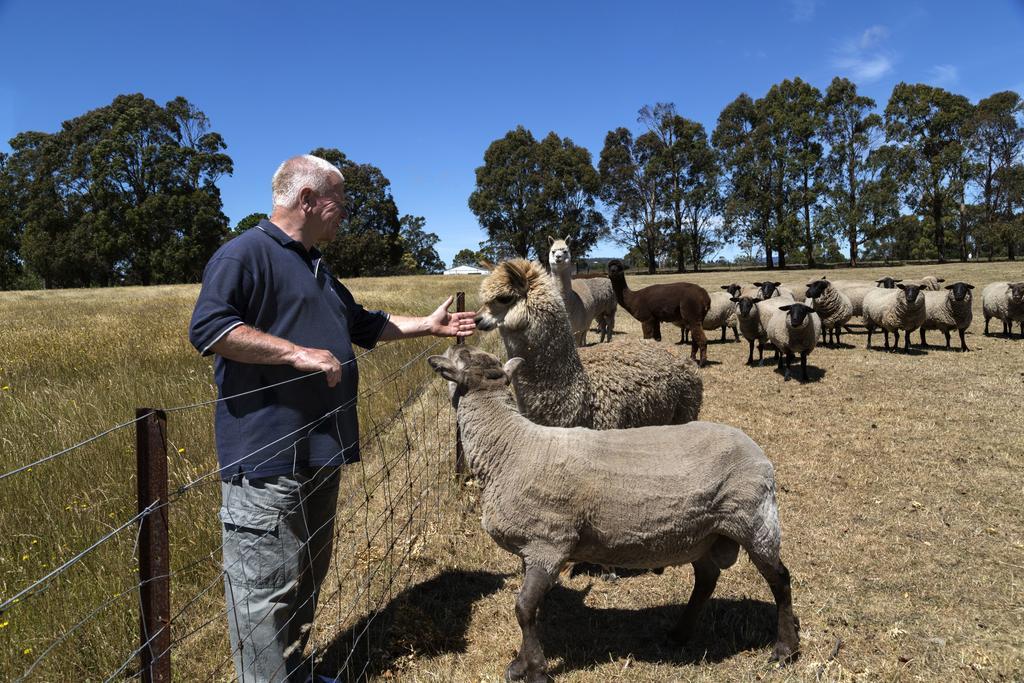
(585, 300)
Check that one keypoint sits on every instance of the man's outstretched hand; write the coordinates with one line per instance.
(445, 324)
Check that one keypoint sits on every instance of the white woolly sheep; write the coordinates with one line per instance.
(627, 383)
(948, 310)
(639, 498)
(1004, 301)
(750, 326)
(931, 283)
(894, 310)
(793, 328)
(832, 306)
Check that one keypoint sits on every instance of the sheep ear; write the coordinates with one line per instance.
(941, 279)
(969, 286)
(734, 299)
(786, 308)
(900, 280)
(551, 240)
(444, 367)
(512, 366)
(758, 284)
(776, 283)
(903, 287)
(725, 286)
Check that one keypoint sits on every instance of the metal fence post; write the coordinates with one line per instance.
(460, 459)
(154, 551)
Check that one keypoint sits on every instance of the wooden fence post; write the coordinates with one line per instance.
(154, 551)
(460, 458)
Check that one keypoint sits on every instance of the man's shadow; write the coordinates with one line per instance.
(429, 618)
(582, 636)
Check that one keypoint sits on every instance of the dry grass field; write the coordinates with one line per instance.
(901, 497)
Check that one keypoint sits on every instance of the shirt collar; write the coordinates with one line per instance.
(282, 238)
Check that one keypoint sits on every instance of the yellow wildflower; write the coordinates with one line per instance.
(24, 557)
(6, 387)
(3, 624)
(181, 450)
(27, 651)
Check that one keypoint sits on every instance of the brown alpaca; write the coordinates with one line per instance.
(680, 303)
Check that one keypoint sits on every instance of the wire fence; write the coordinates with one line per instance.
(371, 547)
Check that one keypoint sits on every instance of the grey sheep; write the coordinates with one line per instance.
(832, 306)
(793, 328)
(641, 498)
(627, 383)
(894, 310)
(948, 310)
(1004, 301)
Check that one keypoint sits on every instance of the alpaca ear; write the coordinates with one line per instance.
(568, 241)
(551, 240)
(512, 366)
(445, 368)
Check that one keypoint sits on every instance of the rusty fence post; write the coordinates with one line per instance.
(154, 551)
(460, 458)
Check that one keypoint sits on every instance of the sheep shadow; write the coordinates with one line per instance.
(582, 636)
(428, 618)
(914, 350)
(814, 373)
(840, 345)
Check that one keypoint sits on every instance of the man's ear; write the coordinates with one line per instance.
(445, 368)
(306, 198)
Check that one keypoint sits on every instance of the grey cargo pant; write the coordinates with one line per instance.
(278, 533)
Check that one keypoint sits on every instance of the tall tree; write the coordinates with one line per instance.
(633, 185)
(997, 146)
(419, 245)
(10, 230)
(744, 150)
(527, 190)
(852, 131)
(369, 241)
(927, 127)
(466, 257)
(690, 169)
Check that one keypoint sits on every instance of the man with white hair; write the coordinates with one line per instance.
(272, 312)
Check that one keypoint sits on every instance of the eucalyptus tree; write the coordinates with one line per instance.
(852, 131)
(997, 146)
(744, 150)
(926, 126)
(633, 184)
(690, 169)
(10, 230)
(419, 245)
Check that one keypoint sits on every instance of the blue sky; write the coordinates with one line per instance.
(420, 89)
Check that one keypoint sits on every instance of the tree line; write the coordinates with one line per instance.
(127, 194)
(795, 175)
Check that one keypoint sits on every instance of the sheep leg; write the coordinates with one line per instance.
(823, 333)
(924, 344)
(705, 578)
(963, 342)
(760, 354)
(530, 664)
(803, 364)
(948, 340)
(986, 326)
(787, 643)
(870, 330)
(750, 356)
(906, 340)
(789, 361)
(723, 332)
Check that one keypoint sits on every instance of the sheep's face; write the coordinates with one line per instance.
(816, 288)
(746, 307)
(733, 289)
(911, 292)
(960, 291)
(768, 289)
(797, 315)
(559, 254)
(1017, 292)
(887, 283)
(469, 369)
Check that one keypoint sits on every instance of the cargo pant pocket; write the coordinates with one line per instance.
(254, 552)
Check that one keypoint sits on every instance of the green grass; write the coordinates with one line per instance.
(900, 486)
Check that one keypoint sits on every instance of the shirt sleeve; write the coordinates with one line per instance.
(364, 327)
(221, 306)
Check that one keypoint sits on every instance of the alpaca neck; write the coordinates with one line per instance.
(552, 387)
(622, 292)
(562, 278)
(492, 430)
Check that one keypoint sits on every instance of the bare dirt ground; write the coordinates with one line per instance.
(901, 491)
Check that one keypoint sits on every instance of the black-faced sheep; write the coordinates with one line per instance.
(1004, 301)
(948, 310)
(894, 310)
(627, 383)
(792, 329)
(640, 498)
(680, 303)
(832, 306)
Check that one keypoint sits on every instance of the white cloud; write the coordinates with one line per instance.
(803, 10)
(944, 75)
(865, 57)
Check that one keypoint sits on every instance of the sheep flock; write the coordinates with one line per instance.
(596, 452)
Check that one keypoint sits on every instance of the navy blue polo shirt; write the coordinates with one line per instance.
(265, 279)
